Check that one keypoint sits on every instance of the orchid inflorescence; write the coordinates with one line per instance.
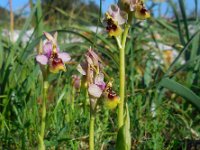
(115, 17)
(52, 56)
(92, 69)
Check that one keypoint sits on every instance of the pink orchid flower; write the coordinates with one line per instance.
(91, 68)
(137, 6)
(113, 20)
(52, 56)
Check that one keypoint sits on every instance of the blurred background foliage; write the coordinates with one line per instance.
(162, 77)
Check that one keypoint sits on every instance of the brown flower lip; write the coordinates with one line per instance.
(111, 94)
(55, 60)
(143, 10)
(111, 25)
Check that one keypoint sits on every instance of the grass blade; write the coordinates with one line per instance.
(181, 90)
(181, 52)
(182, 6)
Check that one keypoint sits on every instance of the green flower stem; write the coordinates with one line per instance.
(122, 76)
(42, 130)
(91, 132)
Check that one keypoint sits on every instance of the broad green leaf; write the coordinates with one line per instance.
(124, 136)
(181, 90)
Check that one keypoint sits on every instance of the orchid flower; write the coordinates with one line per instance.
(111, 99)
(97, 87)
(52, 56)
(140, 11)
(91, 68)
(114, 18)
(137, 6)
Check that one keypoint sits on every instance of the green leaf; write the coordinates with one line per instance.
(181, 90)
(124, 136)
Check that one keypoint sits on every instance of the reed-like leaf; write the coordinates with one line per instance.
(181, 90)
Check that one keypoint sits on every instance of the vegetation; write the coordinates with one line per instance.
(162, 80)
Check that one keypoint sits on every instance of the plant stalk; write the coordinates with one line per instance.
(42, 130)
(91, 132)
(122, 76)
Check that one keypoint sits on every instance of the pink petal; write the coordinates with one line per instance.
(89, 60)
(64, 56)
(94, 90)
(99, 81)
(118, 15)
(122, 17)
(95, 57)
(113, 10)
(48, 47)
(42, 59)
(80, 69)
(99, 78)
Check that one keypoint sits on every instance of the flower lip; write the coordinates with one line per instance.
(143, 10)
(55, 59)
(56, 64)
(112, 95)
(111, 25)
(113, 20)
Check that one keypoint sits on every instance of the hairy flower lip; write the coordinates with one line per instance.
(111, 25)
(141, 12)
(111, 98)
